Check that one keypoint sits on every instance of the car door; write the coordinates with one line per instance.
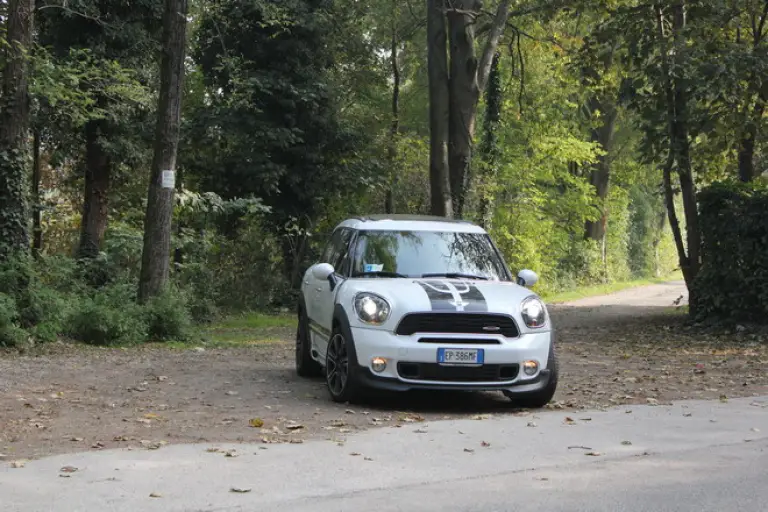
(325, 294)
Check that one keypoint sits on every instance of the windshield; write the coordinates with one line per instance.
(420, 253)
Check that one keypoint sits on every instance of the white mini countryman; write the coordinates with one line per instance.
(411, 302)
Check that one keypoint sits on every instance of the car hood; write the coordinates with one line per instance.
(410, 295)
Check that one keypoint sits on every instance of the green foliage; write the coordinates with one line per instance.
(109, 316)
(733, 282)
(11, 334)
(168, 318)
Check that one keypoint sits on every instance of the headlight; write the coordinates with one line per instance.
(533, 312)
(371, 308)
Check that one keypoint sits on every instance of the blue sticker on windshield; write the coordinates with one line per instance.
(373, 267)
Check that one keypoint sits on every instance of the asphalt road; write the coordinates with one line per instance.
(696, 456)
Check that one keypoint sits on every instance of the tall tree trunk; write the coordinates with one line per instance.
(490, 147)
(468, 79)
(679, 151)
(14, 120)
(437, 64)
(389, 203)
(37, 210)
(601, 170)
(463, 93)
(98, 171)
(747, 169)
(155, 260)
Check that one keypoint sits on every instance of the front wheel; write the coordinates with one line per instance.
(542, 397)
(341, 382)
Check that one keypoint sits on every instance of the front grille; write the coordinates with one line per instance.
(457, 323)
(461, 341)
(437, 372)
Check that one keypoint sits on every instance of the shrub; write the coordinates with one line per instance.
(11, 334)
(167, 317)
(111, 316)
(732, 284)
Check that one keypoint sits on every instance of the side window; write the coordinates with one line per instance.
(337, 247)
(345, 258)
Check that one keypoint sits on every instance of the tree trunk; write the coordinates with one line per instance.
(601, 170)
(37, 210)
(437, 64)
(468, 79)
(14, 120)
(683, 150)
(490, 148)
(747, 169)
(679, 151)
(98, 170)
(463, 94)
(389, 204)
(155, 260)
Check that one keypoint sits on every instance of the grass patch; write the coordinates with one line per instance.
(605, 289)
(251, 329)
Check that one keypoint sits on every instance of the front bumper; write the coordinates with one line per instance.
(502, 362)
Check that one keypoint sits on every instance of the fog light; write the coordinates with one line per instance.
(530, 367)
(378, 364)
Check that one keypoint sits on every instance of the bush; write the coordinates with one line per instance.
(111, 316)
(11, 334)
(168, 318)
(732, 284)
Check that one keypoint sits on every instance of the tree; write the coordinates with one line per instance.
(455, 86)
(439, 113)
(128, 32)
(157, 223)
(14, 121)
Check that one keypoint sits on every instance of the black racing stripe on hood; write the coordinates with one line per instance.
(440, 296)
(474, 297)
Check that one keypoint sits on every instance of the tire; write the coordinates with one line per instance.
(540, 398)
(340, 377)
(305, 365)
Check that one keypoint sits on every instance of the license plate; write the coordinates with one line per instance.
(460, 355)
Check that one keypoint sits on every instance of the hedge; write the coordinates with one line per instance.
(732, 284)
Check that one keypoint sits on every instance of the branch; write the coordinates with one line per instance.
(497, 29)
(74, 13)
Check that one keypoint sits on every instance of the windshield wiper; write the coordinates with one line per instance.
(382, 273)
(456, 275)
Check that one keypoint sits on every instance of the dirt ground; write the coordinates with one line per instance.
(623, 349)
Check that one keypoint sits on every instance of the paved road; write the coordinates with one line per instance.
(692, 456)
(696, 456)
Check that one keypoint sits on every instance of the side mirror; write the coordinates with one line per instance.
(321, 271)
(527, 278)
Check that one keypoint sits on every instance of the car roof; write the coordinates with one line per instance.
(402, 222)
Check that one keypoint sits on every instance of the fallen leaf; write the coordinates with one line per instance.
(256, 422)
(296, 441)
(240, 490)
(350, 411)
(419, 431)
(294, 426)
(626, 443)
(17, 464)
(155, 495)
(354, 454)
(485, 444)
(68, 469)
(687, 414)
(231, 453)
(532, 424)
(76, 439)
(469, 450)
(162, 378)
(593, 454)
(367, 458)
(213, 450)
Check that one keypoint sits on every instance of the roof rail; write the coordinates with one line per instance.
(409, 217)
